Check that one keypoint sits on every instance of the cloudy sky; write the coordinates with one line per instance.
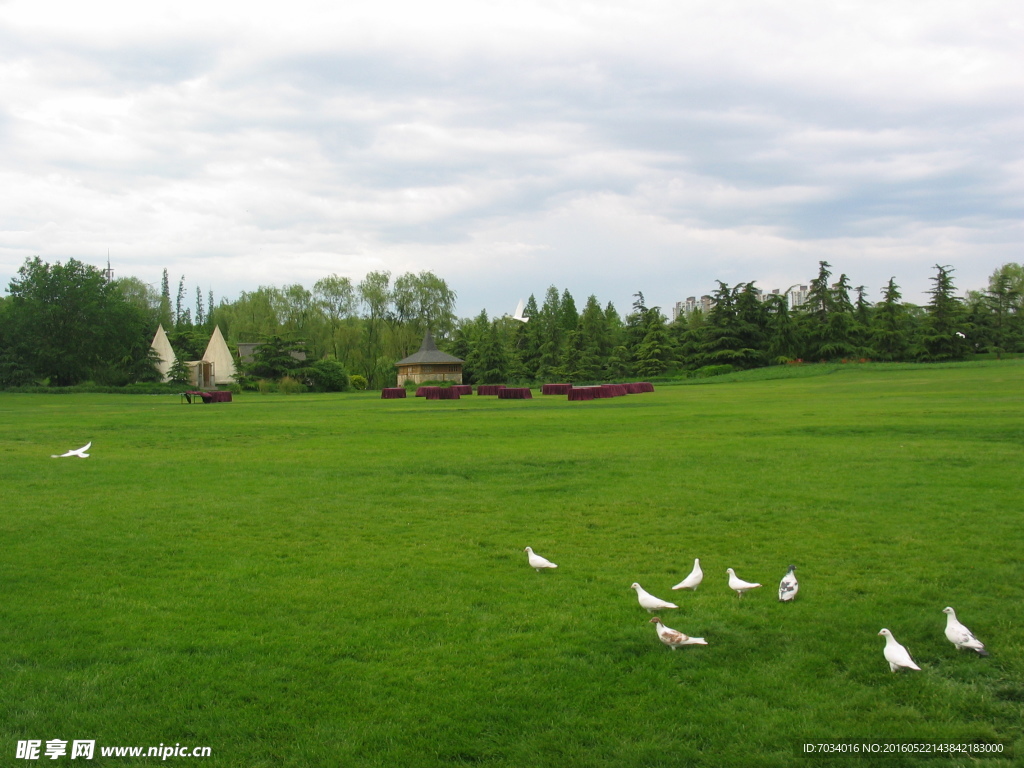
(602, 147)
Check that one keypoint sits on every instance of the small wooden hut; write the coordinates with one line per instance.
(429, 364)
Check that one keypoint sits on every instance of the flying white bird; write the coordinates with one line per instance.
(673, 638)
(79, 452)
(789, 586)
(897, 656)
(960, 335)
(648, 601)
(519, 313)
(961, 636)
(738, 584)
(536, 561)
(694, 579)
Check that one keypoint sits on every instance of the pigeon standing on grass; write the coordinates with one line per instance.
(673, 638)
(789, 586)
(897, 656)
(738, 584)
(961, 636)
(648, 601)
(536, 561)
(694, 579)
(79, 452)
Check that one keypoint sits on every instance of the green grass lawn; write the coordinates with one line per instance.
(338, 580)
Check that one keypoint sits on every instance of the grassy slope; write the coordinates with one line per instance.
(340, 579)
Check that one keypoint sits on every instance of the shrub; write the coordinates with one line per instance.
(358, 382)
(265, 386)
(328, 376)
(289, 386)
(712, 370)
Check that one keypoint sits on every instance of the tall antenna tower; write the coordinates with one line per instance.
(108, 273)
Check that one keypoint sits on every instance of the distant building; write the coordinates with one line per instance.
(705, 305)
(797, 295)
(246, 350)
(429, 364)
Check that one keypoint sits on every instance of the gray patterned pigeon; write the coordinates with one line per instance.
(789, 586)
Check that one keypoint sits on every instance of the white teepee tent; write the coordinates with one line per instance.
(163, 348)
(217, 352)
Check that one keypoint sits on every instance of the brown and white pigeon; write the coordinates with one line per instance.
(649, 602)
(673, 638)
(961, 636)
(897, 656)
(536, 561)
(694, 579)
(738, 584)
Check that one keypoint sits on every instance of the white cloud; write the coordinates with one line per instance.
(606, 147)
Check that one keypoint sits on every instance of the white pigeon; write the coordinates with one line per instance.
(897, 656)
(519, 313)
(694, 579)
(961, 636)
(738, 584)
(536, 561)
(789, 586)
(79, 452)
(648, 601)
(673, 638)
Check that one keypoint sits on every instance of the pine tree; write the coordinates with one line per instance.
(166, 318)
(551, 336)
(781, 331)
(179, 307)
(888, 326)
(200, 309)
(492, 361)
(943, 337)
(1002, 299)
(654, 354)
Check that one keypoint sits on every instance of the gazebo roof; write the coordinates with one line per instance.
(429, 353)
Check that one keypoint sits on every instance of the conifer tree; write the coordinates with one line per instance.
(943, 335)
(888, 330)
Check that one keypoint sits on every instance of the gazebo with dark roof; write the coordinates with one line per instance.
(429, 364)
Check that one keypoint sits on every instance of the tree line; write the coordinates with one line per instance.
(63, 324)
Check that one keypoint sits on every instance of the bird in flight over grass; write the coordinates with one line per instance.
(961, 636)
(536, 561)
(673, 638)
(897, 656)
(79, 452)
